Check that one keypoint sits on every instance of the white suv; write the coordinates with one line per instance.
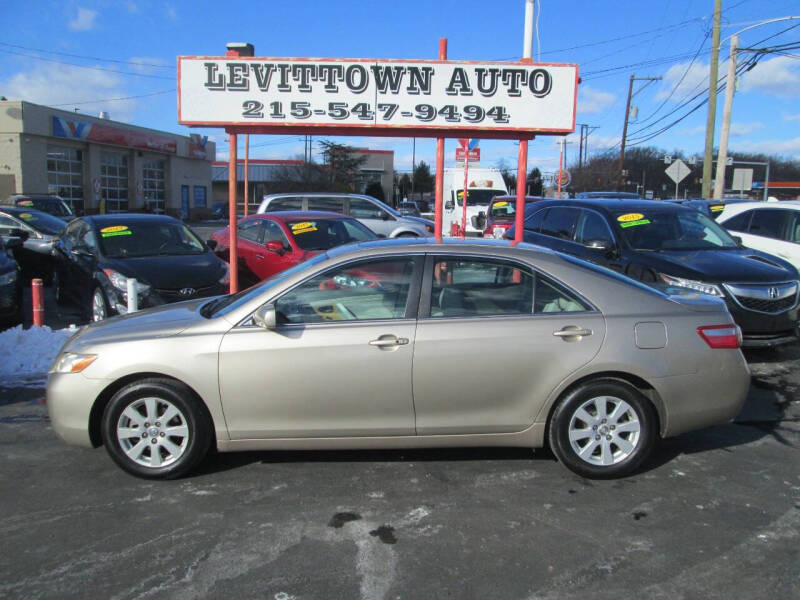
(379, 217)
(772, 227)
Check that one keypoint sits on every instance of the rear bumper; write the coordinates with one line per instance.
(712, 396)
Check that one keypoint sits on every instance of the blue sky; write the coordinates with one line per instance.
(119, 56)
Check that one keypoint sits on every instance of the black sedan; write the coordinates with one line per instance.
(10, 285)
(677, 249)
(95, 257)
(37, 230)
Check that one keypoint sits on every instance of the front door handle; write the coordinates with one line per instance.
(572, 332)
(260, 256)
(387, 341)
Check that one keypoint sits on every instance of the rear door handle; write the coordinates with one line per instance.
(260, 256)
(574, 332)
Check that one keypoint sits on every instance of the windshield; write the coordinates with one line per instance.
(147, 238)
(324, 234)
(672, 230)
(225, 304)
(481, 197)
(41, 221)
(503, 210)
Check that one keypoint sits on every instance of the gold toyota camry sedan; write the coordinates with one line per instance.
(406, 344)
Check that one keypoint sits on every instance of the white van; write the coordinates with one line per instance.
(483, 184)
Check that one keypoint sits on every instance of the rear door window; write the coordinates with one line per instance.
(330, 203)
(287, 203)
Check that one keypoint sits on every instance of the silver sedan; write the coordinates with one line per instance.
(398, 344)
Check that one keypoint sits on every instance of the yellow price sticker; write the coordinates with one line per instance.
(114, 229)
(630, 217)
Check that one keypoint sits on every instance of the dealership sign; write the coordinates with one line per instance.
(106, 134)
(387, 97)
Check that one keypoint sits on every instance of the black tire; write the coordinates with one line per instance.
(58, 291)
(94, 316)
(613, 447)
(173, 455)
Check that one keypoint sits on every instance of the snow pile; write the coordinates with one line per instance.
(27, 354)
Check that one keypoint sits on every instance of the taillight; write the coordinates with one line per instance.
(721, 336)
(497, 231)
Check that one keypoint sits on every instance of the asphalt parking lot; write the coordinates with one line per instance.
(713, 514)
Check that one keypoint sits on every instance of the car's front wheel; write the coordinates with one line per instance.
(603, 429)
(156, 429)
(99, 307)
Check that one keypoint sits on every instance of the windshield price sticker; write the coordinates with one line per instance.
(115, 230)
(27, 217)
(28, 203)
(500, 204)
(385, 94)
(634, 223)
(630, 217)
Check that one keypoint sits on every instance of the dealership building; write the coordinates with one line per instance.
(98, 165)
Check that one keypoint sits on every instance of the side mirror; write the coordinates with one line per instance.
(385, 216)
(264, 317)
(21, 234)
(736, 238)
(381, 236)
(603, 246)
(82, 251)
(276, 246)
(449, 205)
(212, 244)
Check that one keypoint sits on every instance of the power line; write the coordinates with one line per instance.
(122, 62)
(62, 62)
(114, 99)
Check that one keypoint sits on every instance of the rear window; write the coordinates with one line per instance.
(293, 203)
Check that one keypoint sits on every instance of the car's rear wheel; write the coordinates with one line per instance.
(156, 429)
(99, 307)
(603, 429)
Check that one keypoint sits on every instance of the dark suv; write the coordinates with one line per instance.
(678, 250)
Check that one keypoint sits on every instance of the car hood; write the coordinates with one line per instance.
(159, 322)
(742, 265)
(171, 272)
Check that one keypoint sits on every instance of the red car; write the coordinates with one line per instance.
(501, 214)
(272, 242)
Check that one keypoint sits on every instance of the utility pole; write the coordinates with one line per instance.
(649, 80)
(722, 155)
(712, 103)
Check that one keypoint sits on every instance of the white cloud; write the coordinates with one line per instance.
(745, 128)
(149, 65)
(699, 130)
(170, 12)
(778, 76)
(592, 101)
(84, 20)
(62, 85)
(687, 81)
(791, 117)
(789, 148)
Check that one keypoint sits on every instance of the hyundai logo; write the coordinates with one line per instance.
(185, 292)
(773, 292)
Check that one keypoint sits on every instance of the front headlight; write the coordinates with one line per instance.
(120, 282)
(8, 278)
(226, 277)
(690, 284)
(71, 362)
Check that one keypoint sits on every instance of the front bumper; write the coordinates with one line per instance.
(70, 397)
(764, 330)
(157, 297)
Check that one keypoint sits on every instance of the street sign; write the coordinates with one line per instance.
(564, 178)
(742, 179)
(467, 146)
(678, 171)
